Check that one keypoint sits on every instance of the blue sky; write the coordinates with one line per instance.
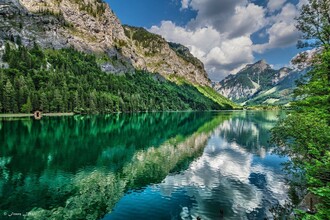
(224, 34)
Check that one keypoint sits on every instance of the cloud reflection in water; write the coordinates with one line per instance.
(236, 177)
(228, 177)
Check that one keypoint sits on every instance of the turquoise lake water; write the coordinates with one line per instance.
(187, 165)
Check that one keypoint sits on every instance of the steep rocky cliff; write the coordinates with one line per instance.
(162, 57)
(91, 26)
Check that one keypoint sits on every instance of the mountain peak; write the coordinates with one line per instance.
(258, 66)
(263, 61)
(261, 65)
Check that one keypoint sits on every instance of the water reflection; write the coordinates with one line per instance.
(57, 142)
(79, 167)
(140, 166)
(235, 178)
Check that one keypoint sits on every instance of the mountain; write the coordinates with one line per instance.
(91, 26)
(74, 55)
(258, 83)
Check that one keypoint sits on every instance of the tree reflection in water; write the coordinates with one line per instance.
(79, 167)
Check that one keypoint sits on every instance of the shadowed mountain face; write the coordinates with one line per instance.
(258, 83)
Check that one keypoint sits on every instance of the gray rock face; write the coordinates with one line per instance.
(91, 26)
(17, 21)
(247, 82)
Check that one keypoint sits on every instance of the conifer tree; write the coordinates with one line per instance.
(9, 98)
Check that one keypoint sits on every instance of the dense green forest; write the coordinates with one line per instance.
(304, 135)
(70, 81)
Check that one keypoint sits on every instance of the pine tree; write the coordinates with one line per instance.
(21, 90)
(76, 101)
(58, 102)
(44, 104)
(92, 102)
(9, 101)
(27, 107)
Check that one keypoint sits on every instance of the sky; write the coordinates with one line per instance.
(224, 34)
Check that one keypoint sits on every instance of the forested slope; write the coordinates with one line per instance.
(66, 80)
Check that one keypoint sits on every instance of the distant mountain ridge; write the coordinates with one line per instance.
(260, 84)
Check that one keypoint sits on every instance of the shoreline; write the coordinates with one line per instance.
(23, 115)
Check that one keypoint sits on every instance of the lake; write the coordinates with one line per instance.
(186, 165)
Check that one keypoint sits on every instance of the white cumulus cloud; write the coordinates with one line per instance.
(221, 33)
(275, 4)
(185, 4)
(282, 32)
(218, 53)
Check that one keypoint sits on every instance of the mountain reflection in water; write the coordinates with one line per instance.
(141, 166)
